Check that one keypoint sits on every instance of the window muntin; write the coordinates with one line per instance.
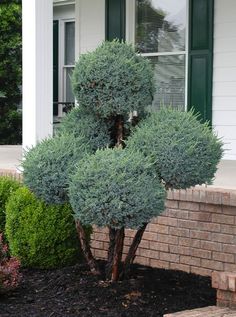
(160, 35)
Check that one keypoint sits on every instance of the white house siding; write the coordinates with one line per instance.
(90, 25)
(224, 75)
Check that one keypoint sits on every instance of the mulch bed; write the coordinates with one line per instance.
(74, 292)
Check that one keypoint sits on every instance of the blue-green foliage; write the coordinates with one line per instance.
(113, 80)
(40, 235)
(116, 188)
(7, 187)
(184, 151)
(94, 130)
(47, 166)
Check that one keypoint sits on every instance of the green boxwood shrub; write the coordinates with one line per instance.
(185, 152)
(116, 188)
(113, 80)
(94, 131)
(7, 186)
(47, 166)
(40, 235)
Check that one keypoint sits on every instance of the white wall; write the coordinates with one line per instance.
(90, 24)
(224, 75)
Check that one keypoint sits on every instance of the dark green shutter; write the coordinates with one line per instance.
(55, 66)
(201, 57)
(115, 20)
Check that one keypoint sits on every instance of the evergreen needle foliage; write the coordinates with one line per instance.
(116, 188)
(113, 80)
(95, 132)
(47, 166)
(184, 151)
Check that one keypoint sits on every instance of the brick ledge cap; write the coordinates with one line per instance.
(207, 195)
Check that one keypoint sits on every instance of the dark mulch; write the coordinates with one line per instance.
(74, 292)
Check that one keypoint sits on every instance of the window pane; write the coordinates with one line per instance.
(69, 94)
(169, 74)
(160, 25)
(69, 43)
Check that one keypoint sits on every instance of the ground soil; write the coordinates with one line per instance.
(74, 291)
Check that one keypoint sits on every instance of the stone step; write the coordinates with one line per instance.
(210, 311)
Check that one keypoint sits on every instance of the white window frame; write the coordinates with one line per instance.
(130, 38)
(62, 67)
(57, 3)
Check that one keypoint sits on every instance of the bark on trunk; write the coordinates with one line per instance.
(119, 131)
(132, 252)
(117, 256)
(86, 249)
(116, 236)
(112, 239)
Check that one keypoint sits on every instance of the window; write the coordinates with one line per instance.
(63, 64)
(69, 60)
(160, 35)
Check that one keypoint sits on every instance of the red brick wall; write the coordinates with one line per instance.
(196, 233)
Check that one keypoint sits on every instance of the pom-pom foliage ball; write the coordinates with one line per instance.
(94, 131)
(116, 188)
(113, 80)
(47, 166)
(184, 151)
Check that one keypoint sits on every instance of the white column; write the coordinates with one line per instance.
(37, 70)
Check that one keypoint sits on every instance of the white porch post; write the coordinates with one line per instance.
(37, 70)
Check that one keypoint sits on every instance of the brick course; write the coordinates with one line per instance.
(225, 284)
(196, 233)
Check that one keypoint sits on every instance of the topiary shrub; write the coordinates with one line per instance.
(48, 165)
(113, 86)
(94, 131)
(40, 235)
(184, 151)
(116, 188)
(120, 187)
(7, 187)
(113, 80)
